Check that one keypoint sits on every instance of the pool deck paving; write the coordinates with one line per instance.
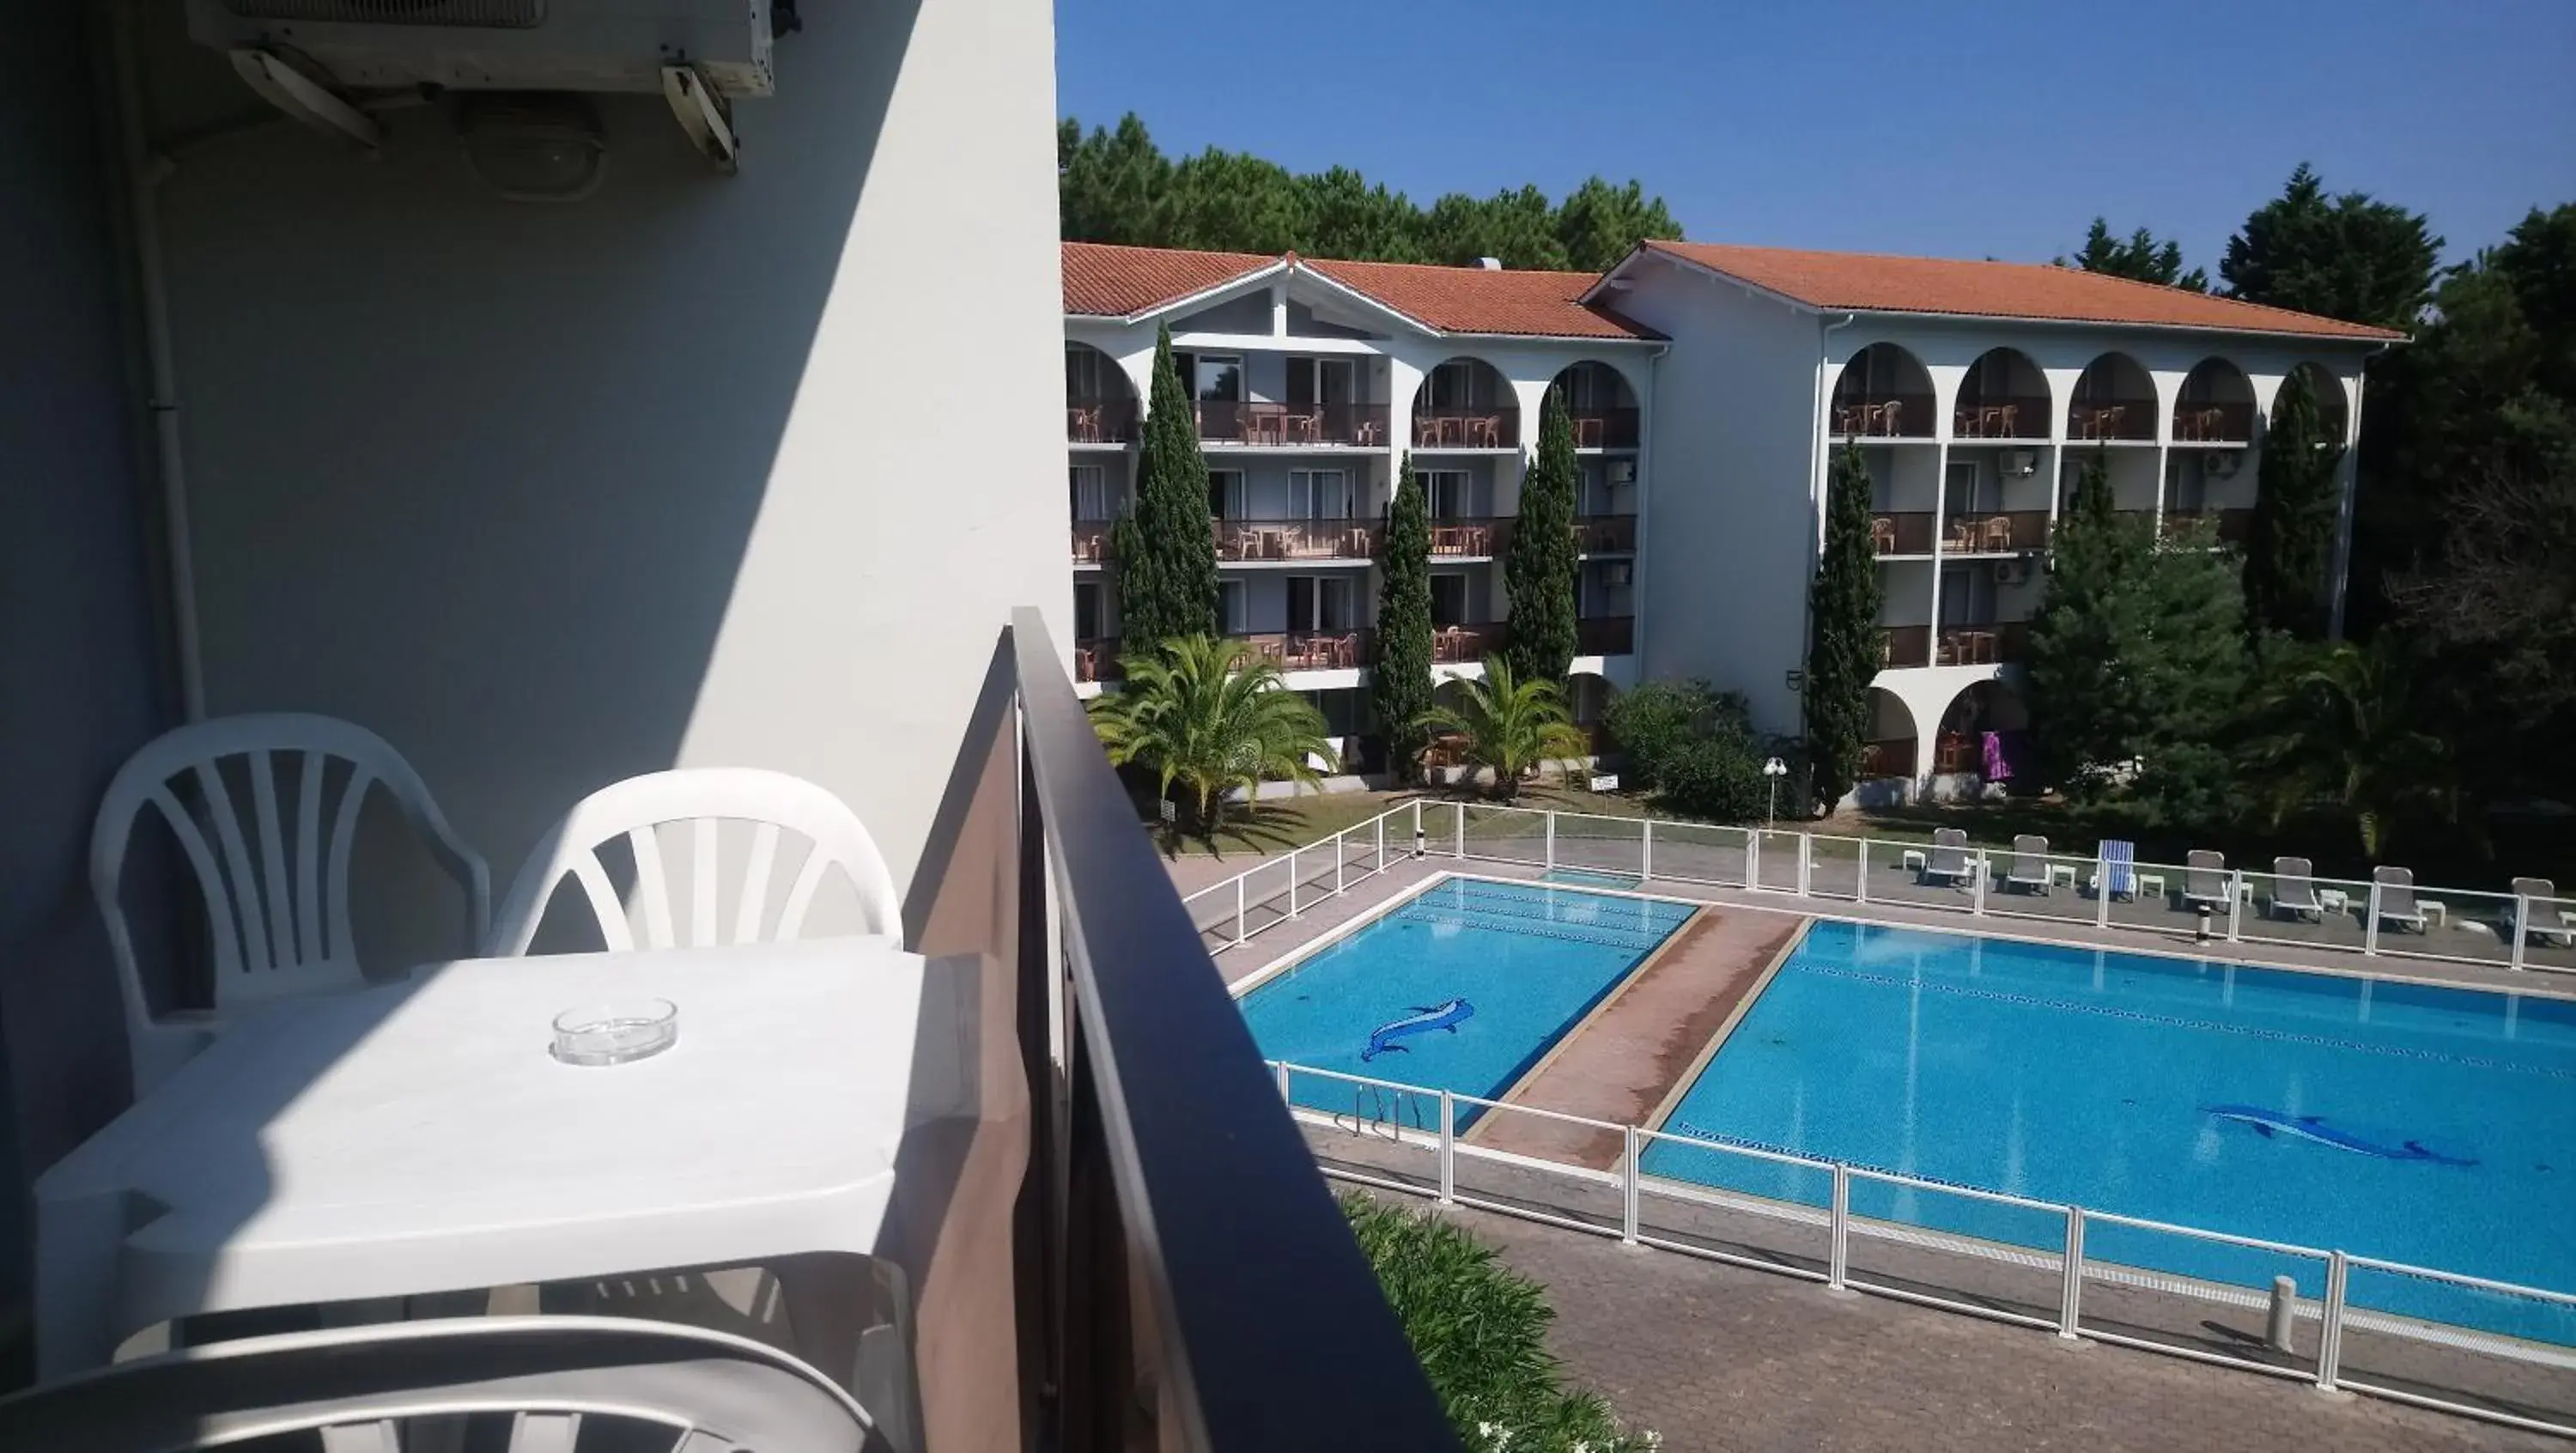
(1630, 1054)
(1727, 1360)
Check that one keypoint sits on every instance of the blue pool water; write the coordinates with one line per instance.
(2443, 1131)
(1526, 961)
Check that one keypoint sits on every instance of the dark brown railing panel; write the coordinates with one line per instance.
(1604, 428)
(2234, 526)
(1295, 539)
(1210, 1294)
(1606, 534)
(1312, 650)
(1291, 425)
(1892, 758)
(2213, 423)
(1467, 641)
(1904, 646)
(1471, 537)
(1901, 532)
(2000, 418)
(1883, 416)
(1996, 534)
(1100, 421)
(2120, 419)
(1990, 643)
(1497, 427)
(1605, 635)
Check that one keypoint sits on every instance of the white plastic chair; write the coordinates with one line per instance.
(705, 797)
(378, 1388)
(276, 932)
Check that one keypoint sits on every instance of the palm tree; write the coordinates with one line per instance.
(1510, 725)
(2333, 725)
(1210, 715)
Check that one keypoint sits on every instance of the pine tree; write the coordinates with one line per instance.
(1540, 567)
(1166, 548)
(1400, 682)
(2291, 545)
(2085, 703)
(1843, 655)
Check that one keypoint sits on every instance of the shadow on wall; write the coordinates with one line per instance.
(482, 474)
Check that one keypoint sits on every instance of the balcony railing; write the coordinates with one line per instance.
(1091, 540)
(1095, 658)
(2234, 526)
(1605, 636)
(2121, 419)
(1990, 643)
(1242, 540)
(1891, 758)
(1606, 534)
(1883, 416)
(1100, 421)
(1469, 536)
(1291, 425)
(1604, 428)
(1136, 1314)
(1313, 650)
(2195, 423)
(1904, 646)
(1901, 532)
(2000, 418)
(1465, 641)
(1491, 427)
(1996, 534)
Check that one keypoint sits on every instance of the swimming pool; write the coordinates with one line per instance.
(1462, 988)
(2424, 1125)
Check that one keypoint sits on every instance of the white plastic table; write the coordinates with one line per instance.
(419, 1137)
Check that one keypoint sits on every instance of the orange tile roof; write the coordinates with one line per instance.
(1118, 282)
(1121, 282)
(1868, 283)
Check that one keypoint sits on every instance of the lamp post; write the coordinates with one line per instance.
(1775, 769)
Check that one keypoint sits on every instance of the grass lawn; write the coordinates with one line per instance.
(1255, 829)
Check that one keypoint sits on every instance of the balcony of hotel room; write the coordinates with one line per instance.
(1983, 615)
(2213, 485)
(1303, 622)
(1465, 406)
(1279, 398)
(1994, 484)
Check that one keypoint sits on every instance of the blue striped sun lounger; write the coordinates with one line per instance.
(2119, 867)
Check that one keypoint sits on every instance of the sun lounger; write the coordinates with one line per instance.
(1948, 860)
(2396, 897)
(2204, 880)
(2543, 921)
(2294, 890)
(2118, 875)
(2029, 870)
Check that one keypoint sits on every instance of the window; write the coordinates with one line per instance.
(1319, 381)
(1212, 378)
(1087, 373)
(1090, 490)
(1448, 599)
(1459, 384)
(1445, 491)
(1086, 611)
(1225, 494)
(1590, 388)
(2189, 492)
(1319, 603)
(1319, 494)
(1959, 493)
(1230, 607)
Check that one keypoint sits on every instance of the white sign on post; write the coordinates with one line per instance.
(1606, 782)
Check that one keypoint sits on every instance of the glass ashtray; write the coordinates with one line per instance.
(616, 1032)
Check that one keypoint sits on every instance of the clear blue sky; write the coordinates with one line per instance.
(1993, 128)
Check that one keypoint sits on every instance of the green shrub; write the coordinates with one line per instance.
(1479, 1329)
(1693, 746)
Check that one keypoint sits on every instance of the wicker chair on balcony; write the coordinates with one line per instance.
(1882, 534)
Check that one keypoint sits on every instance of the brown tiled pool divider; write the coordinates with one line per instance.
(1633, 1051)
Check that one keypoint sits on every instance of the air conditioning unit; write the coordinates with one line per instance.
(321, 61)
(1618, 573)
(2219, 464)
(1623, 471)
(2020, 463)
(2011, 572)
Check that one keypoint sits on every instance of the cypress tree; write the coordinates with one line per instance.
(1843, 654)
(1539, 569)
(1166, 548)
(2291, 545)
(1400, 682)
(2087, 702)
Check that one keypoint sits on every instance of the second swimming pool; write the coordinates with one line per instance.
(1462, 988)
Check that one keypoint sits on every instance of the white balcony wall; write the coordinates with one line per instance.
(1903, 477)
(1905, 592)
(549, 495)
(1997, 489)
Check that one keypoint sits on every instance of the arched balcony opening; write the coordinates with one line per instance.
(1465, 403)
(1884, 392)
(2114, 400)
(2003, 396)
(2215, 406)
